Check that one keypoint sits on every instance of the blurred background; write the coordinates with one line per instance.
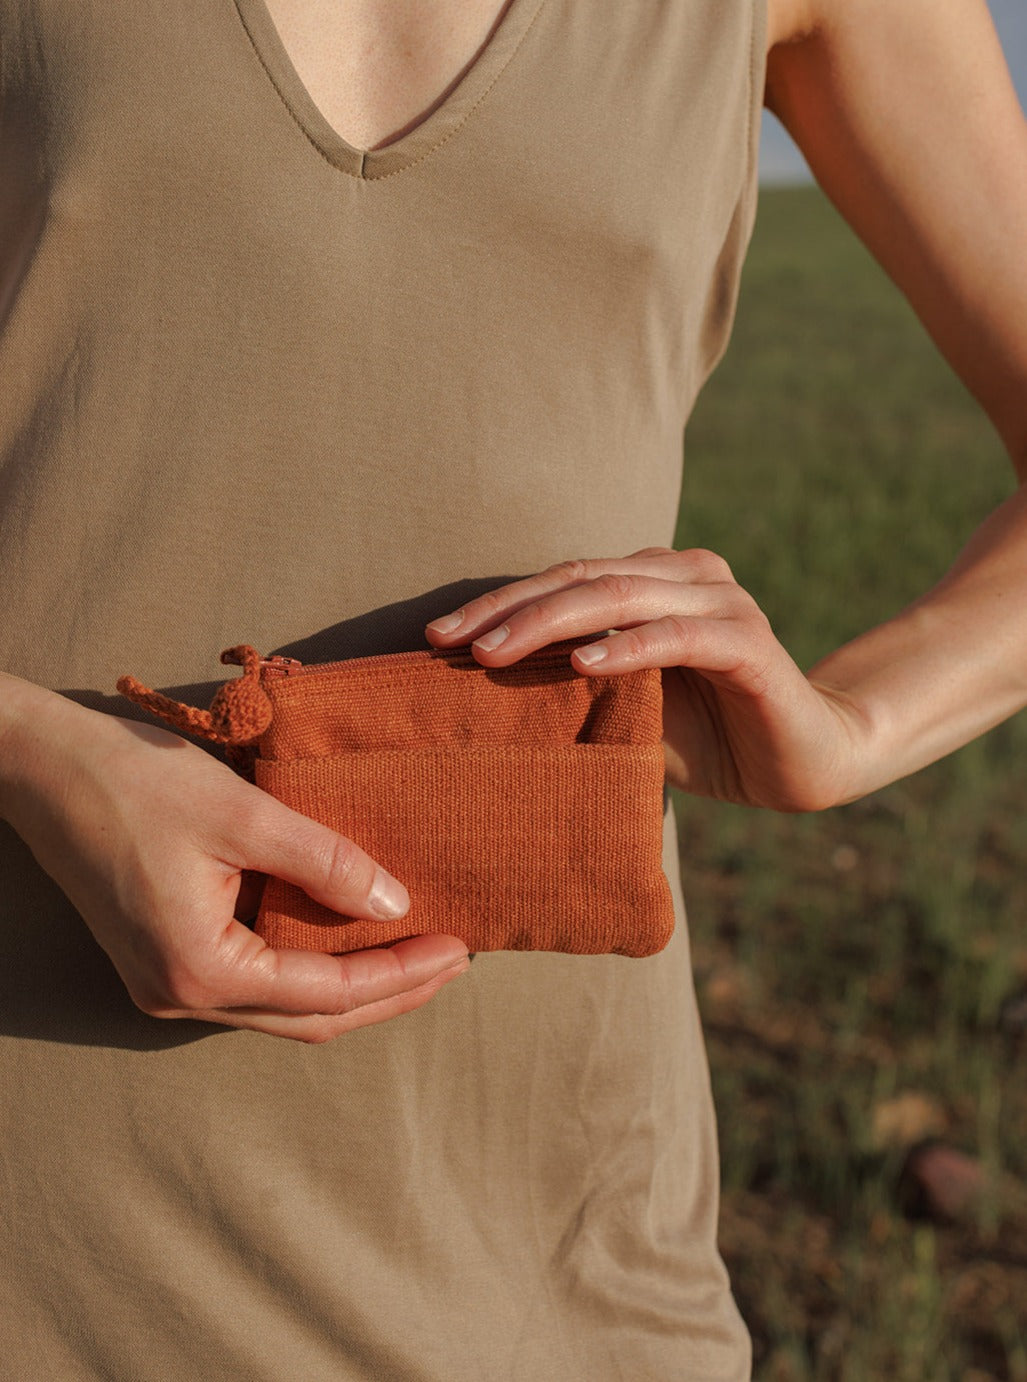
(862, 972)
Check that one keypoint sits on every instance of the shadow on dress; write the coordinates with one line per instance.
(56, 983)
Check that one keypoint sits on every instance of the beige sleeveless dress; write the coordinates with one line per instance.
(256, 385)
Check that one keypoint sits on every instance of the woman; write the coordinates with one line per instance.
(265, 381)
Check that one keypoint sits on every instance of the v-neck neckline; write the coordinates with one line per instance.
(434, 129)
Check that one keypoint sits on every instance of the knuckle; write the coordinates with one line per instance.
(631, 646)
(680, 630)
(490, 605)
(704, 565)
(534, 617)
(343, 865)
(615, 586)
(755, 615)
(344, 997)
(572, 570)
(738, 603)
(678, 626)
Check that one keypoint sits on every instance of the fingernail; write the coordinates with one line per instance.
(449, 623)
(491, 640)
(389, 899)
(591, 655)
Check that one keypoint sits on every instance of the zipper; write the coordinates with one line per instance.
(278, 666)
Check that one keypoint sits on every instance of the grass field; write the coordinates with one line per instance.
(855, 968)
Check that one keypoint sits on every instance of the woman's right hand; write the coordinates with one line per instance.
(148, 837)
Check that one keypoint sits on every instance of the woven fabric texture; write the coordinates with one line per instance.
(522, 808)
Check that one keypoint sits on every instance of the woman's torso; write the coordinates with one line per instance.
(263, 385)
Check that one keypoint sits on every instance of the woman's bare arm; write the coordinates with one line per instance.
(908, 117)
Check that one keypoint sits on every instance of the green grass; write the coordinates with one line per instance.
(847, 958)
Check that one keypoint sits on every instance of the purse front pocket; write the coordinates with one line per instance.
(509, 847)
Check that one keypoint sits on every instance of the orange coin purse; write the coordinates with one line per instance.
(522, 808)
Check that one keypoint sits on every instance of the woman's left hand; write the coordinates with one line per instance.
(741, 721)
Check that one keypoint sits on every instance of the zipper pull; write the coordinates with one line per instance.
(277, 666)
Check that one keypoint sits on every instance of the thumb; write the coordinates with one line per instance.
(326, 865)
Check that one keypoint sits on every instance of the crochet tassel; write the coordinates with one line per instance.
(239, 713)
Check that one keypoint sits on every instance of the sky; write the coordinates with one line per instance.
(780, 160)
